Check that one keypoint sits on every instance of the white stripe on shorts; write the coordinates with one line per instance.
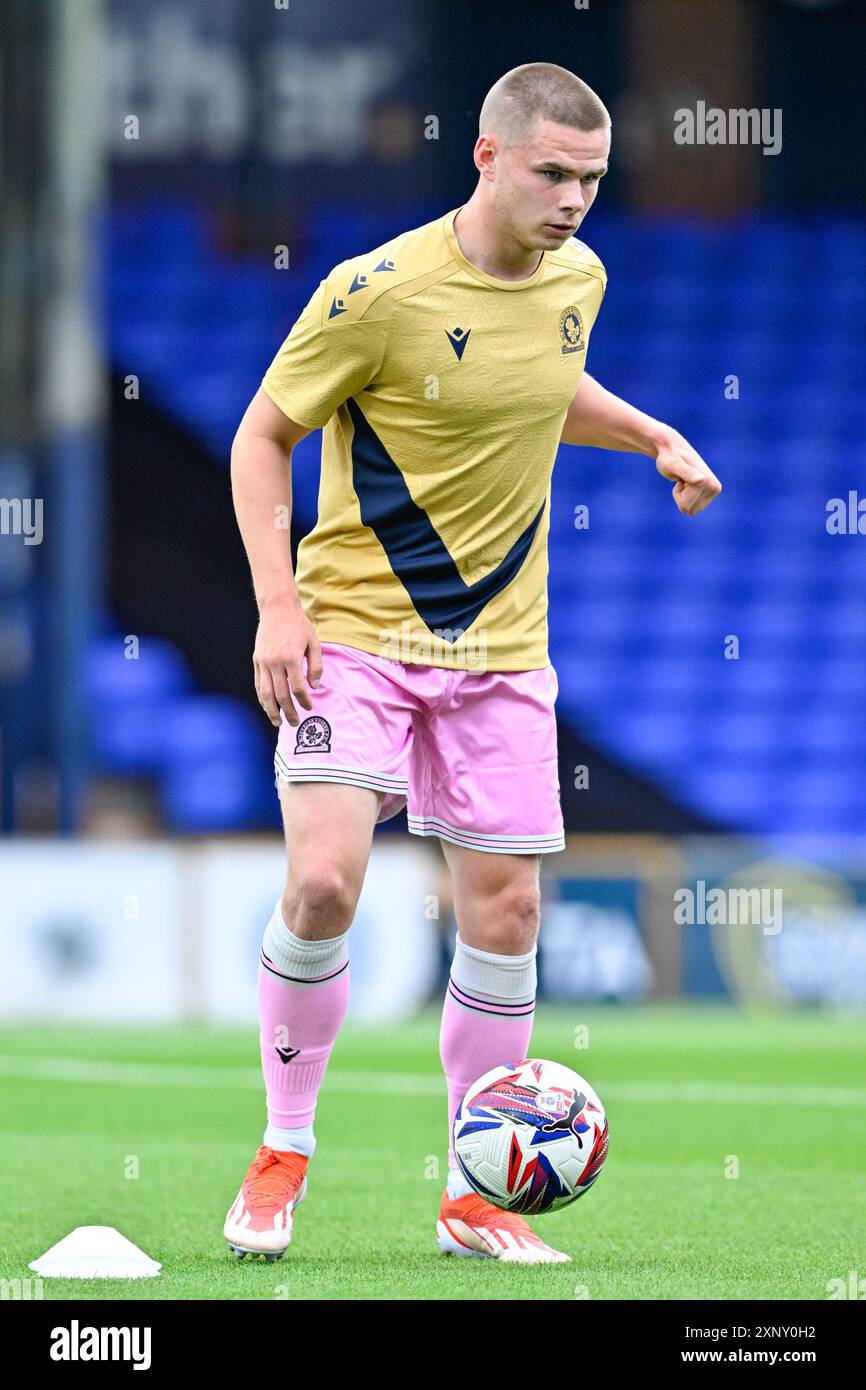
(496, 844)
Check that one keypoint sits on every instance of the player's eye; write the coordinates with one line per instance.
(551, 173)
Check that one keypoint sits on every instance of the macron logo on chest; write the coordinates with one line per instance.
(458, 338)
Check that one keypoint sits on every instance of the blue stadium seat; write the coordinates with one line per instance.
(120, 667)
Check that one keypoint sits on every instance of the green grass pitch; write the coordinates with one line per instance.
(689, 1091)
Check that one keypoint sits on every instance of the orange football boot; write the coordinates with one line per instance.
(259, 1221)
(470, 1226)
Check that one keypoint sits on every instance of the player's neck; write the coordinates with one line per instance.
(481, 241)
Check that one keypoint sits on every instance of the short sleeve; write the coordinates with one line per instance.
(332, 353)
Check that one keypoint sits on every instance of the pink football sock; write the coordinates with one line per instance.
(486, 1019)
(303, 989)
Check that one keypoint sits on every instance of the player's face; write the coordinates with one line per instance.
(544, 188)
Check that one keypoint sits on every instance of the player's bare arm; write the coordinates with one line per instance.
(261, 471)
(601, 420)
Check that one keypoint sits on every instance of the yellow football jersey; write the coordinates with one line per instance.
(442, 393)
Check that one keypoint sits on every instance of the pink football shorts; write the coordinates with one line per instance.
(472, 755)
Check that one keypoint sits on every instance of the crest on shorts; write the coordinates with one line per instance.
(314, 735)
(571, 330)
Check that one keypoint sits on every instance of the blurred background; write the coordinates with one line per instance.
(176, 179)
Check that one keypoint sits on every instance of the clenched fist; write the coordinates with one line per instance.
(695, 484)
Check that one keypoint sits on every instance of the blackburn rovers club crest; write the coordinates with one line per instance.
(314, 735)
(571, 330)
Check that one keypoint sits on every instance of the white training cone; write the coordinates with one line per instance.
(95, 1252)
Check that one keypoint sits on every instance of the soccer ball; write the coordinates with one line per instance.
(530, 1136)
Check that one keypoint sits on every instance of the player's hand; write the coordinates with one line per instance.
(695, 485)
(285, 637)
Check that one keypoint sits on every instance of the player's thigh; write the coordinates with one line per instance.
(328, 828)
(496, 898)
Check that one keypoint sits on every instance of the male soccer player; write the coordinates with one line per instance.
(444, 368)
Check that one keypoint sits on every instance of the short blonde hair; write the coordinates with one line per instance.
(539, 91)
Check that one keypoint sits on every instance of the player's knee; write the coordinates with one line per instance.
(319, 896)
(520, 914)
